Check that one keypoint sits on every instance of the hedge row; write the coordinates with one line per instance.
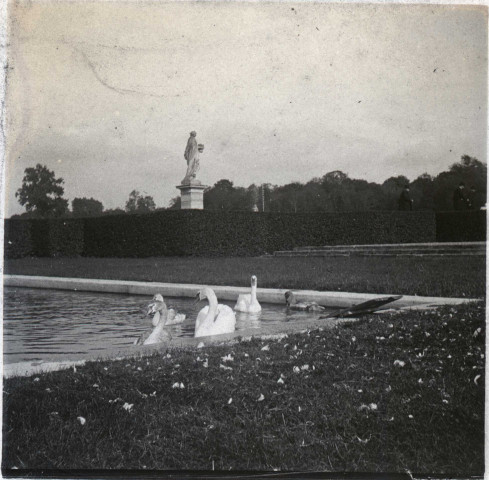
(200, 232)
(461, 226)
(43, 238)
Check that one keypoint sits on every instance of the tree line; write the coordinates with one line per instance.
(42, 193)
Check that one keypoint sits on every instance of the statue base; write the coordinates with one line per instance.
(192, 195)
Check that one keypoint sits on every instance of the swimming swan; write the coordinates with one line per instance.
(293, 304)
(161, 318)
(159, 305)
(247, 302)
(213, 319)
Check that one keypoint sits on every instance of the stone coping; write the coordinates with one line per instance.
(229, 293)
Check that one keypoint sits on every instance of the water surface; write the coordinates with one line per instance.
(45, 324)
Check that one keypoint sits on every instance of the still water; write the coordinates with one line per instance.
(40, 324)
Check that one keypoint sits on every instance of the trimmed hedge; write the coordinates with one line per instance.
(200, 232)
(468, 226)
(43, 237)
(210, 233)
(17, 238)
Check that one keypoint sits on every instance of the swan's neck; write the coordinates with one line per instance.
(253, 292)
(212, 299)
(156, 319)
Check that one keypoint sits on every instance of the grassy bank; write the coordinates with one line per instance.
(433, 276)
(396, 392)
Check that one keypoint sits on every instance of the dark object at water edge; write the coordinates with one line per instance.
(364, 308)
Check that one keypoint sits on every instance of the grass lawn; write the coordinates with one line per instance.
(395, 392)
(458, 276)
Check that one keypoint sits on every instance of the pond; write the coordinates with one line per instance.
(44, 324)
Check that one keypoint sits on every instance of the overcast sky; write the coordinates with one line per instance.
(105, 94)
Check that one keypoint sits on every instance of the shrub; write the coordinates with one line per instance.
(468, 226)
(200, 232)
(17, 238)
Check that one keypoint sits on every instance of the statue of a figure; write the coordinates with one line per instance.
(192, 156)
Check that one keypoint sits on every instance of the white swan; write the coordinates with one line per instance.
(247, 302)
(293, 304)
(213, 319)
(161, 318)
(159, 305)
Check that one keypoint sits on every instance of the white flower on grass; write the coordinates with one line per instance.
(420, 381)
(230, 401)
(305, 367)
(127, 406)
(399, 363)
(206, 363)
(153, 394)
(300, 409)
(477, 331)
(224, 367)
(360, 391)
(363, 441)
(445, 400)
(476, 379)
(227, 358)
(200, 345)
(373, 406)
(246, 355)
(116, 400)
(265, 348)
(48, 390)
(140, 369)
(81, 420)
(295, 347)
(261, 398)
(296, 370)
(36, 379)
(95, 385)
(105, 368)
(353, 339)
(280, 380)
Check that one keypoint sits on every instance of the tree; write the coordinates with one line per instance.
(41, 193)
(139, 204)
(86, 207)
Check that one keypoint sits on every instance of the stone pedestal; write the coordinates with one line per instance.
(192, 196)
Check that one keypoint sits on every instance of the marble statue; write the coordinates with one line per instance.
(192, 157)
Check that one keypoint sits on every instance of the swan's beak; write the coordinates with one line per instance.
(151, 309)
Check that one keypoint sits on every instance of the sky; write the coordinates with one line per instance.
(106, 93)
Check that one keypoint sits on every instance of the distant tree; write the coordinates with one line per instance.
(41, 193)
(470, 171)
(422, 192)
(139, 204)
(114, 211)
(175, 203)
(392, 189)
(86, 207)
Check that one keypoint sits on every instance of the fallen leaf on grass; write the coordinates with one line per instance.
(476, 379)
(261, 398)
(224, 367)
(127, 406)
(227, 358)
(81, 420)
(265, 348)
(399, 363)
